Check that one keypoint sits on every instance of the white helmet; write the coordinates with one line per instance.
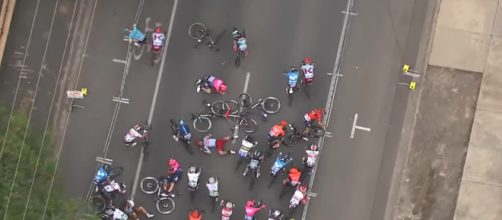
(131, 203)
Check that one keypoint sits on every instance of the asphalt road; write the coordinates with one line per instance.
(280, 34)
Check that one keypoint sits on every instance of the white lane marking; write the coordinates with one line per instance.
(119, 61)
(58, 156)
(245, 90)
(355, 126)
(121, 100)
(50, 109)
(31, 110)
(28, 44)
(155, 95)
(331, 94)
(246, 83)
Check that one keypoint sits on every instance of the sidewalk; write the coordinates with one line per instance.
(458, 119)
(478, 28)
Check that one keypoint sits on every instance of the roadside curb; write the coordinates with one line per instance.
(407, 132)
(6, 13)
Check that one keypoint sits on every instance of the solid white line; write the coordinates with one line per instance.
(50, 109)
(354, 126)
(58, 156)
(363, 128)
(246, 83)
(155, 95)
(331, 94)
(119, 61)
(28, 43)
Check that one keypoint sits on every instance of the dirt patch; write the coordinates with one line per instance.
(431, 179)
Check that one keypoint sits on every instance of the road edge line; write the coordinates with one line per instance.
(155, 95)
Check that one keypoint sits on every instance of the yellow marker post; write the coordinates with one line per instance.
(84, 91)
(413, 85)
(406, 68)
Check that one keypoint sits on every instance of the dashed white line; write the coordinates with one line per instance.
(119, 61)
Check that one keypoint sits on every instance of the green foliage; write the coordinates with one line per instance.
(22, 203)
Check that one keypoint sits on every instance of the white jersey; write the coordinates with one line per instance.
(131, 135)
(213, 189)
(297, 198)
(158, 39)
(311, 157)
(119, 215)
(193, 178)
(308, 71)
(113, 186)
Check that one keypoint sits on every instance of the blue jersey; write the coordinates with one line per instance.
(293, 78)
(101, 175)
(136, 35)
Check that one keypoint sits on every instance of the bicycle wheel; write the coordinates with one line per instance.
(249, 125)
(220, 108)
(97, 204)
(245, 100)
(197, 31)
(316, 131)
(271, 105)
(115, 172)
(165, 205)
(202, 124)
(149, 185)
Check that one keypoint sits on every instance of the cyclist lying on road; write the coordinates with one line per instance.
(209, 142)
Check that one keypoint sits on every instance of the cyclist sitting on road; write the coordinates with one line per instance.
(183, 132)
(276, 133)
(210, 82)
(294, 176)
(310, 117)
(173, 175)
(158, 38)
(209, 142)
(133, 211)
(136, 36)
(136, 133)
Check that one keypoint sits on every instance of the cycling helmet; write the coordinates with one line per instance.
(182, 122)
(172, 162)
(293, 69)
(130, 202)
(257, 154)
(283, 157)
(294, 170)
(223, 88)
(313, 147)
(303, 188)
(250, 203)
(283, 123)
(229, 205)
(195, 213)
(307, 60)
(211, 180)
(192, 169)
(276, 213)
(249, 139)
(158, 30)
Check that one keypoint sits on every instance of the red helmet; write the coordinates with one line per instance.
(307, 60)
(223, 88)
(283, 123)
(303, 188)
(172, 162)
(158, 30)
(313, 147)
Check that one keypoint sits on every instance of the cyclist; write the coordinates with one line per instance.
(276, 133)
(136, 36)
(252, 207)
(135, 134)
(254, 163)
(195, 214)
(240, 41)
(300, 196)
(183, 132)
(212, 187)
(173, 175)
(248, 143)
(310, 117)
(308, 70)
(209, 142)
(210, 83)
(133, 211)
(158, 38)
(294, 176)
(310, 158)
(275, 214)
